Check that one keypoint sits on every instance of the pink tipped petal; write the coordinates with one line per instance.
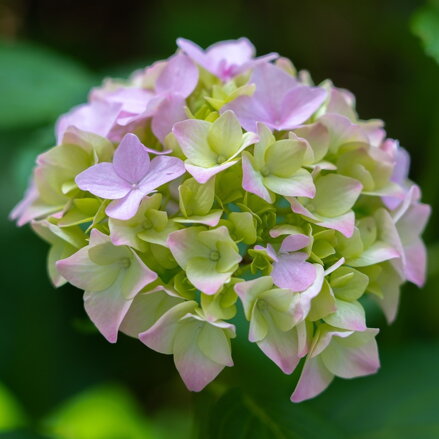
(192, 135)
(136, 277)
(146, 309)
(184, 245)
(131, 159)
(102, 180)
(315, 378)
(107, 309)
(160, 336)
(81, 272)
(281, 348)
(195, 369)
(126, 207)
(344, 224)
(292, 271)
(415, 268)
(349, 315)
(214, 344)
(353, 356)
(252, 180)
(203, 175)
(299, 185)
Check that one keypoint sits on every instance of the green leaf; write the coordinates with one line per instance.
(11, 415)
(239, 416)
(400, 401)
(106, 412)
(425, 25)
(36, 85)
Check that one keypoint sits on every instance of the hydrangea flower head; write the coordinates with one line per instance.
(216, 180)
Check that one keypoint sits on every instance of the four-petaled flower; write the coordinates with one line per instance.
(211, 147)
(130, 177)
(111, 276)
(280, 101)
(276, 166)
(209, 257)
(225, 59)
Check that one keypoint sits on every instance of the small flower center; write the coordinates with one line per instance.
(134, 186)
(221, 159)
(262, 304)
(265, 171)
(214, 256)
(147, 224)
(124, 263)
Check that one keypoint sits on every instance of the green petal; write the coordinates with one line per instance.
(244, 227)
(285, 157)
(348, 283)
(196, 198)
(335, 194)
(229, 257)
(225, 135)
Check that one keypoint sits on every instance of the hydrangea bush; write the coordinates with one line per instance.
(216, 180)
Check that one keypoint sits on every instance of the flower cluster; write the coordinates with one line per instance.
(216, 178)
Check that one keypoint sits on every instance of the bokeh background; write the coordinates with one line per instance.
(58, 377)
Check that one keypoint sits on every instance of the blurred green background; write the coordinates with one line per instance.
(58, 377)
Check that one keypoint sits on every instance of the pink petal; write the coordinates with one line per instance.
(195, 52)
(272, 86)
(131, 159)
(249, 112)
(97, 117)
(170, 111)
(314, 379)
(81, 272)
(162, 169)
(299, 104)
(196, 369)
(293, 243)
(180, 76)
(107, 309)
(292, 271)
(415, 268)
(345, 224)
(234, 52)
(126, 207)
(101, 180)
(191, 135)
(353, 356)
(281, 348)
(134, 100)
(203, 175)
